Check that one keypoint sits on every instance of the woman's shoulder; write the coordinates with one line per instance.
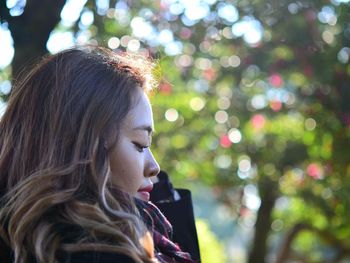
(98, 257)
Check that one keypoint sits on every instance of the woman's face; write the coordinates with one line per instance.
(131, 160)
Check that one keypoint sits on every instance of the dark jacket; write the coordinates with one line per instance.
(179, 213)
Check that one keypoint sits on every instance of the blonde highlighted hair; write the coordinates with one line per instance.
(53, 159)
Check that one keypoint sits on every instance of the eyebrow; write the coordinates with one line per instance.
(147, 128)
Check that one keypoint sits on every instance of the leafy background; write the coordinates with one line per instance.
(252, 113)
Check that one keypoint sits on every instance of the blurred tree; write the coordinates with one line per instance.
(254, 102)
(30, 23)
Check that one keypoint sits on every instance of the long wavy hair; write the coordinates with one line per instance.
(54, 166)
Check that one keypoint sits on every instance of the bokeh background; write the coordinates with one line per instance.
(252, 111)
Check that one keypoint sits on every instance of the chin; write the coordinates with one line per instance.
(145, 196)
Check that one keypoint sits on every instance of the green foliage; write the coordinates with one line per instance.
(232, 111)
(211, 249)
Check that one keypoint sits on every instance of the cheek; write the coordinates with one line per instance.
(126, 167)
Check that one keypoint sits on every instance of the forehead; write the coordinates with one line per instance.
(140, 117)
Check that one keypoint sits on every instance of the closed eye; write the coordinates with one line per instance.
(139, 147)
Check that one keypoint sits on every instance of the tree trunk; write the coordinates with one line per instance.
(269, 193)
(31, 30)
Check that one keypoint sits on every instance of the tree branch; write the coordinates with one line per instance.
(284, 251)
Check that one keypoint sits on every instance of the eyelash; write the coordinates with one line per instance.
(140, 148)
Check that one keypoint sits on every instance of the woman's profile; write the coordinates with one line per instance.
(75, 163)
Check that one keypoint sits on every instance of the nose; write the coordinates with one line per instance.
(152, 166)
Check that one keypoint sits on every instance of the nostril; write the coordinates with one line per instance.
(154, 170)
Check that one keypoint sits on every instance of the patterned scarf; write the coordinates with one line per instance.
(166, 250)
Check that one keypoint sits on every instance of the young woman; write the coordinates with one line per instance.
(75, 163)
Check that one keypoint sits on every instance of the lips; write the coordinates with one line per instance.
(144, 192)
(147, 188)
